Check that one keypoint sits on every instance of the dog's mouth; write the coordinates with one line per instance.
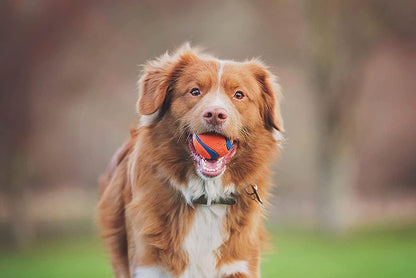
(211, 168)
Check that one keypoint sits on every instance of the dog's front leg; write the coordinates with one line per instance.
(155, 244)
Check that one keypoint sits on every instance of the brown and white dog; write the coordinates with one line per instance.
(166, 211)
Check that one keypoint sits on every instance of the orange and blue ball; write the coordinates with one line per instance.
(211, 146)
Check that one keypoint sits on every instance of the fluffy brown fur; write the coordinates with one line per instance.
(145, 218)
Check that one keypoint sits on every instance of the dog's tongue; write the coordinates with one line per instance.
(211, 168)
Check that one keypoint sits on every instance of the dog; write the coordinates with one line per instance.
(165, 210)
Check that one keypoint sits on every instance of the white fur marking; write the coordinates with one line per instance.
(146, 120)
(133, 158)
(150, 272)
(220, 72)
(278, 136)
(219, 101)
(205, 237)
(235, 267)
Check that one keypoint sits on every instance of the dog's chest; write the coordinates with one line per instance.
(202, 243)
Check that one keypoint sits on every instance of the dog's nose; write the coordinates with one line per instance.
(215, 115)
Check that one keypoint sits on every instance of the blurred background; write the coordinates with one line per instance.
(345, 194)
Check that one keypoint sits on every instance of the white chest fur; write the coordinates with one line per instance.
(205, 237)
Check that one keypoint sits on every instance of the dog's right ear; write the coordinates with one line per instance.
(159, 76)
(154, 83)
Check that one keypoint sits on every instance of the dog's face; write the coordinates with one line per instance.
(196, 94)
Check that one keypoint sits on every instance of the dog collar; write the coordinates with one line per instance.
(254, 195)
(203, 200)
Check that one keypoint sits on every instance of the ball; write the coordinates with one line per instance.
(211, 146)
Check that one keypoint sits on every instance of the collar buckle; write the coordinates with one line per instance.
(254, 195)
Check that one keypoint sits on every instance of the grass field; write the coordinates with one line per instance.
(375, 253)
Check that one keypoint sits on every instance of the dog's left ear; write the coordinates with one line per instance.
(270, 108)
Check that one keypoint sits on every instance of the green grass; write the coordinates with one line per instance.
(367, 254)
(57, 258)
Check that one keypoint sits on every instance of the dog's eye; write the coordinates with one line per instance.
(239, 95)
(195, 92)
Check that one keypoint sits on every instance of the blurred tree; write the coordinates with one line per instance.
(29, 32)
(341, 35)
(15, 121)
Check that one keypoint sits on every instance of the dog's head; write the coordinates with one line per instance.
(192, 93)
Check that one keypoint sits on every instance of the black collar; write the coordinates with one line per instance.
(203, 200)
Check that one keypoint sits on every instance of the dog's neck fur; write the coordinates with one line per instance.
(212, 189)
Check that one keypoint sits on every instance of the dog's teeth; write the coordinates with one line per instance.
(220, 163)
